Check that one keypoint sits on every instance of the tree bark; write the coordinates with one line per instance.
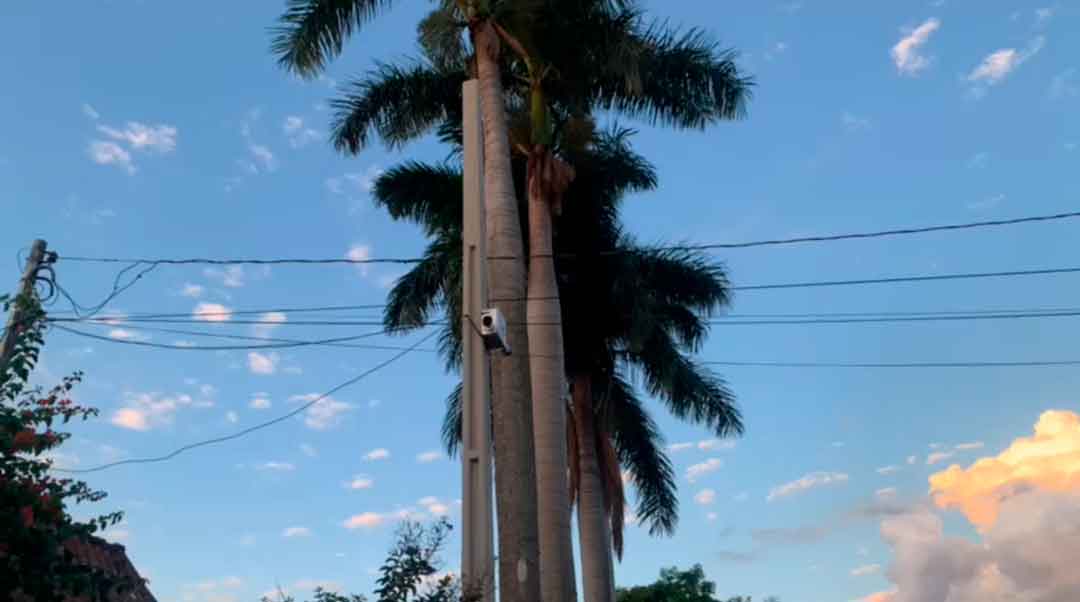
(515, 477)
(593, 530)
(547, 375)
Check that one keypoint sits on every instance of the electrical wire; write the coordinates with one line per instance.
(257, 427)
(221, 347)
(688, 247)
(991, 364)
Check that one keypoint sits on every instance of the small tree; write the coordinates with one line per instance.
(410, 572)
(678, 586)
(35, 526)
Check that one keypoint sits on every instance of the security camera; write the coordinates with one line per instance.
(493, 330)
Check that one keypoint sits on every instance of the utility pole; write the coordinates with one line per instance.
(477, 555)
(26, 288)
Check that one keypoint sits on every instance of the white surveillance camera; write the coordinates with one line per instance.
(493, 330)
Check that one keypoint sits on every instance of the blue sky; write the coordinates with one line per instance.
(149, 129)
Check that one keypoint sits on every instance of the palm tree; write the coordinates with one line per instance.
(313, 31)
(656, 289)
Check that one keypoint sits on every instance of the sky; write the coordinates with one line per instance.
(165, 130)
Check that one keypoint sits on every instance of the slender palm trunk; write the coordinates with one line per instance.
(515, 482)
(547, 375)
(593, 530)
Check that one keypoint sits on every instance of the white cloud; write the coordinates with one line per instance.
(907, 55)
(259, 403)
(192, 290)
(884, 470)
(866, 569)
(110, 153)
(434, 506)
(264, 156)
(364, 520)
(970, 445)
(360, 482)
(712, 516)
(854, 123)
(146, 411)
(220, 590)
(271, 319)
(299, 135)
(678, 447)
(326, 413)
(429, 456)
(713, 444)
(377, 454)
(90, 112)
(350, 183)
(701, 469)
(231, 276)
(211, 312)
(259, 363)
(296, 532)
(912, 459)
(936, 457)
(277, 466)
(359, 252)
(122, 334)
(160, 138)
(705, 497)
(308, 450)
(997, 65)
(885, 492)
(232, 416)
(805, 483)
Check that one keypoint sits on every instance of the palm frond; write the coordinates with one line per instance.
(311, 32)
(428, 195)
(676, 276)
(399, 103)
(440, 34)
(640, 448)
(451, 425)
(615, 496)
(419, 292)
(690, 391)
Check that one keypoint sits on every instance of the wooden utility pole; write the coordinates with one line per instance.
(477, 555)
(26, 289)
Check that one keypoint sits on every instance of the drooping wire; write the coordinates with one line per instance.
(257, 427)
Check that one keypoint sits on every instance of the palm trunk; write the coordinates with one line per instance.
(593, 530)
(547, 374)
(515, 482)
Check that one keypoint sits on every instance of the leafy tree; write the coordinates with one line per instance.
(679, 586)
(410, 572)
(36, 528)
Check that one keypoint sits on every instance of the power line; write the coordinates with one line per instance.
(221, 347)
(688, 247)
(256, 427)
(215, 335)
(199, 319)
(898, 279)
(243, 312)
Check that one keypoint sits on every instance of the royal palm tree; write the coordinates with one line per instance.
(660, 294)
(311, 32)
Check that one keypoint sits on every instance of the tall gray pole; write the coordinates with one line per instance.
(26, 288)
(477, 555)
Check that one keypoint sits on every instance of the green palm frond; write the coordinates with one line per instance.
(640, 448)
(440, 34)
(451, 424)
(419, 292)
(399, 103)
(690, 392)
(312, 32)
(425, 194)
(677, 276)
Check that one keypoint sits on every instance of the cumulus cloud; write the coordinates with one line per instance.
(299, 134)
(232, 416)
(308, 450)
(192, 290)
(377, 454)
(434, 506)
(364, 520)
(701, 469)
(429, 456)
(263, 156)
(231, 276)
(325, 414)
(90, 112)
(277, 466)
(866, 569)
(270, 320)
(147, 411)
(350, 183)
(160, 138)
(678, 447)
(968, 446)
(884, 470)
(296, 532)
(260, 363)
(997, 65)
(211, 312)
(360, 482)
(714, 444)
(109, 153)
(360, 253)
(259, 403)
(805, 483)
(907, 53)
(1048, 460)
(705, 497)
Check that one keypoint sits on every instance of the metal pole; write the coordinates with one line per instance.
(26, 288)
(477, 556)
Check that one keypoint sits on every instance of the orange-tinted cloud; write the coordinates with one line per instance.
(879, 597)
(1048, 461)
